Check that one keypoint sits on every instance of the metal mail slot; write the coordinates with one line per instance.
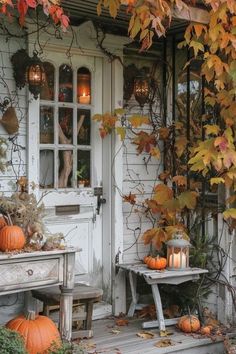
(67, 209)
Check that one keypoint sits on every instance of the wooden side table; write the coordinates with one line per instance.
(153, 278)
(28, 271)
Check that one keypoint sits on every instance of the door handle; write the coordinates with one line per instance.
(100, 201)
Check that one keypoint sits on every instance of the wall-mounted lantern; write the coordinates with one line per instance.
(84, 86)
(178, 253)
(35, 75)
(141, 88)
(28, 70)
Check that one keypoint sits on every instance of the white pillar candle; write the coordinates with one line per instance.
(84, 99)
(175, 260)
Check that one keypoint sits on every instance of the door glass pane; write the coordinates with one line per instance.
(46, 125)
(65, 83)
(65, 168)
(83, 86)
(46, 179)
(83, 127)
(83, 169)
(47, 91)
(65, 130)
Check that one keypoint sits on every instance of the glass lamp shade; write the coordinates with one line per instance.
(35, 75)
(141, 89)
(178, 254)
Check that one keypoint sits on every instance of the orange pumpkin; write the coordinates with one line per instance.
(206, 330)
(156, 263)
(145, 260)
(39, 332)
(2, 222)
(189, 324)
(11, 238)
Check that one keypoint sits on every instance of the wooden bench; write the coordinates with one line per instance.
(83, 295)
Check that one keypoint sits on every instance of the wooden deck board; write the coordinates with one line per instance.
(127, 341)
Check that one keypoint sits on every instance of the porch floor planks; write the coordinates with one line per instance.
(127, 341)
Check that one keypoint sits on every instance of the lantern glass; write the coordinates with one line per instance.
(141, 89)
(178, 254)
(83, 86)
(35, 75)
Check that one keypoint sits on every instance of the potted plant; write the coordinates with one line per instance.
(81, 176)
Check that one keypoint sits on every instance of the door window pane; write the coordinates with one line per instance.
(46, 179)
(83, 169)
(65, 168)
(47, 91)
(65, 129)
(83, 127)
(65, 83)
(83, 86)
(46, 125)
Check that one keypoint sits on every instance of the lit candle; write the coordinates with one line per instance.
(84, 99)
(175, 260)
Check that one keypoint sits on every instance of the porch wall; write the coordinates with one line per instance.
(11, 305)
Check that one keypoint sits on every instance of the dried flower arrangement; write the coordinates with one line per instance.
(24, 211)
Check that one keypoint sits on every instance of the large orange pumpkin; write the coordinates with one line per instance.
(189, 324)
(11, 238)
(39, 332)
(156, 263)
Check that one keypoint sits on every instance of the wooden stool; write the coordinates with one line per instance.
(82, 295)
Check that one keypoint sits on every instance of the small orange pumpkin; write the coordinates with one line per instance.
(206, 330)
(11, 238)
(156, 263)
(189, 324)
(39, 332)
(146, 259)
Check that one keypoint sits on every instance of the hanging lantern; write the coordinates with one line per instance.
(35, 75)
(84, 86)
(141, 89)
(178, 253)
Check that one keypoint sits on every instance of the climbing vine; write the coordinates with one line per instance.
(210, 147)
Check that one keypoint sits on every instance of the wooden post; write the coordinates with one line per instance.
(66, 301)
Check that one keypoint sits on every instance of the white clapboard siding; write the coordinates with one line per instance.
(139, 179)
(12, 305)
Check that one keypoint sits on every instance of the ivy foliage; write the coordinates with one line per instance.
(211, 151)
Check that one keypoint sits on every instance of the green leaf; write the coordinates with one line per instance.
(122, 132)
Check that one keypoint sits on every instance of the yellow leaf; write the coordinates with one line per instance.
(155, 152)
(136, 120)
(146, 335)
(119, 112)
(212, 129)
(180, 145)
(230, 213)
(163, 343)
(113, 8)
(216, 180)
(188, 199)
(122, 132)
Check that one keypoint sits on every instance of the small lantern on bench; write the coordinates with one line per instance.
(178, 253)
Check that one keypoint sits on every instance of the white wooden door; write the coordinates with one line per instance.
(65, 155)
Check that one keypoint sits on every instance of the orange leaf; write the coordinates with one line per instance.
(180, 180)
(162, 193)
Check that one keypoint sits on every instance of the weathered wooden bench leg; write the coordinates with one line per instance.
(135, 296)
(158, 304)
(46, 309)
(89, 314)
